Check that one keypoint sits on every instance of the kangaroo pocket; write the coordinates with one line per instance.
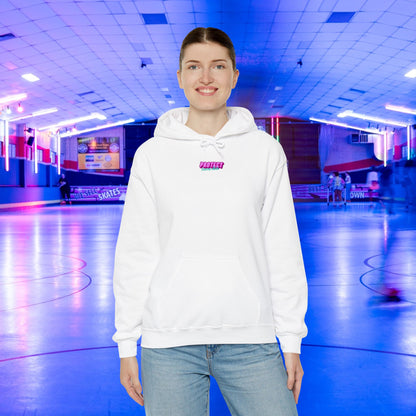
(204, 292)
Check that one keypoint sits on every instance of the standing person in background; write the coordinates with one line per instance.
(338, 186)
(330, 188)
(408, 183)
(387, 187)
(347, 181)
(208, 265)
(65, 190)
(372, 182)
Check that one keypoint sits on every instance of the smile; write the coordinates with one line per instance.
(206, 91)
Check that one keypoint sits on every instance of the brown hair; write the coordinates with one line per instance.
(208, 34)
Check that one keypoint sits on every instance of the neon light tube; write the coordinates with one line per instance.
(277, 129)
(13, 98)
(335, 123)
(35, 147)
(6, 144)
(400, 109)
(36, 114)
(58, 146)
(349, 113)
(64, 123)
(408, 142)
(104, 126)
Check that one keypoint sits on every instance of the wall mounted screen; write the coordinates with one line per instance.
(99, 153)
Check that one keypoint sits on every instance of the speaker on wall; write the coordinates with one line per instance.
(30, 140)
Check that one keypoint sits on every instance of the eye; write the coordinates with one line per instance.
(192, 67)
(219, 66)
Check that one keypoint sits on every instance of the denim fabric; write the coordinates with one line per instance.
(251, 378)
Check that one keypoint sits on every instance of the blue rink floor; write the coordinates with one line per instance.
(56, 312)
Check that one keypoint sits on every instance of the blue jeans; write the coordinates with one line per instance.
(251, 378)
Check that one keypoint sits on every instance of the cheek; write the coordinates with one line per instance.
(185, 80)
(188, 81)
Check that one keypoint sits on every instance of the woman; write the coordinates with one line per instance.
(208, 266)
(338, 186)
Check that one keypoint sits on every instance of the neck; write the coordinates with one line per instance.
(207, 122)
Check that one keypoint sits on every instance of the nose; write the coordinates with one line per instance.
(206, 77)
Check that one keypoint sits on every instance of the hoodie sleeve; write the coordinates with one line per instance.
(287, 274)
(136, 257)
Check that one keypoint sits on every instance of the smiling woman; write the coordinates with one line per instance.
(207, 68)
(207, 76)
(208, 265)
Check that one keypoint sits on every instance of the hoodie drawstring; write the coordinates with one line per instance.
(212, 141)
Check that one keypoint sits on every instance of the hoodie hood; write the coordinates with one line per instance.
(171, 125)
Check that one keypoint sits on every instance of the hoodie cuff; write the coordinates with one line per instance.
(127, 348)
(290, 343)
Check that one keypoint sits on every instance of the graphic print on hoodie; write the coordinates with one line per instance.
(208, 250)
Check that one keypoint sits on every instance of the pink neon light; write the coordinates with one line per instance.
(6, 146)
(277, 128)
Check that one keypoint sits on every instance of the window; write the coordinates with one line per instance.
(12, 150)
(39, 153)
(53, 157)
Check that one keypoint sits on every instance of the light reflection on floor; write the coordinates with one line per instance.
(56, 312)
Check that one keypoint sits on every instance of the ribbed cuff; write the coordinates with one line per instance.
(127, 348)
(290, 343)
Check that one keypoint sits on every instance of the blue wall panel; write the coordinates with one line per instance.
(21, 185)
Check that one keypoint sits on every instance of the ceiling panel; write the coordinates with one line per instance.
(106, 47)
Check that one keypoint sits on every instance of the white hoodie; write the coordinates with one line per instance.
(208, 250)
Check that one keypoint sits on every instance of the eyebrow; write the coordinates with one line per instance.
(196, 61)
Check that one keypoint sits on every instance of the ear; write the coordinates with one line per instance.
(235, 77)
(179, 75)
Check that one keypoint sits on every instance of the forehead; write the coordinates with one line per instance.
(205, 51)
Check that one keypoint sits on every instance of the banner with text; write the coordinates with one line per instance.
(98, 193)
(319, 193)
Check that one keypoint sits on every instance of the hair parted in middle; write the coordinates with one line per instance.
(204, 35)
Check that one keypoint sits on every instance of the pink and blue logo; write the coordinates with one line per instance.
(211, 165)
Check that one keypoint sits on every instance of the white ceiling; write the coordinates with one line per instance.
(88, 55)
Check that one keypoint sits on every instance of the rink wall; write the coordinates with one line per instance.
(312, 151)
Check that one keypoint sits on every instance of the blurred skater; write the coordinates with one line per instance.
(408, 183)
(387, 188)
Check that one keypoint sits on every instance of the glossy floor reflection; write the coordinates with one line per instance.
(56, 312)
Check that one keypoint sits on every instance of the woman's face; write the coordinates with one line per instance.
(207, 76)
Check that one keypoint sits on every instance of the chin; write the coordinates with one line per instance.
(201, 106)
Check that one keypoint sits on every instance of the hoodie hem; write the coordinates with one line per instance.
(176, 338)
